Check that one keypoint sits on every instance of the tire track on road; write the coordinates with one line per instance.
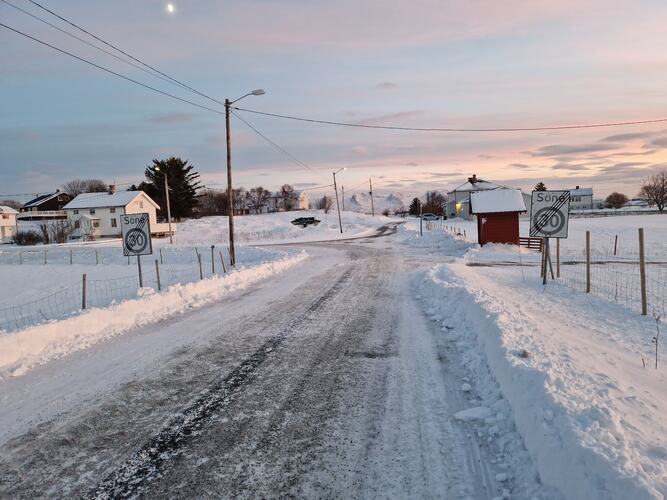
(149, 462)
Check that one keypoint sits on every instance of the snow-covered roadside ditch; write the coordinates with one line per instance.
(23, 350)
(569, 365)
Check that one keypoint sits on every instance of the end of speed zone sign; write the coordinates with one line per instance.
(136, 234)
(549, 214)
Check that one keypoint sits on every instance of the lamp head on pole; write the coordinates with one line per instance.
(258, 92)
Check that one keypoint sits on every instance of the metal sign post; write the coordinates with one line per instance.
(137, 241)
(549, 217)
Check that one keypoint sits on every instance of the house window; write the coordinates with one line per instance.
(96, 224)
(77, 224)
(76, 212)
(92, 211)
(112, 210)
(113, 223)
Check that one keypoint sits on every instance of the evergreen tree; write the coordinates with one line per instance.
(540, 186)
(183, 184)
(415, 206)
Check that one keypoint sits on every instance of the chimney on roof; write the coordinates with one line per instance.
(473, 179)
(112, 188)
(576, 187)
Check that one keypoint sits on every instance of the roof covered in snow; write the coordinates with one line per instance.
(41, 199)
(581, 191)
(475, 184)
(7, 210)
(497, 200)
(106, 199)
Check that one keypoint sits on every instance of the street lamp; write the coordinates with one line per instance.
(166, 195)
(340, 223)
(230, 195)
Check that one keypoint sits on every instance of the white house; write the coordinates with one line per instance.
(276, 203)
(97, 215)
(7, 223)
(458, 200)
(581, 198)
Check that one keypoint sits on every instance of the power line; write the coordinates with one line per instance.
(442, 129)
(108, 44)
(112, 72)
(278, 148)
(101, 49)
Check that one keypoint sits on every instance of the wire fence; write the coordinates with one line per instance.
(179, 265)
(617, 278)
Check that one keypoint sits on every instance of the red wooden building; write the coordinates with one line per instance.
(497, 214)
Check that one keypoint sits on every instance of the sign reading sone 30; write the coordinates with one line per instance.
(549, 214)
(136, 234)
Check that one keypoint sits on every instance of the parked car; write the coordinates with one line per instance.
(305, 221)
(431, 217)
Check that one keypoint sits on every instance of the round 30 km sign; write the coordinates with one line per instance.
(549, 214)
(136, 234)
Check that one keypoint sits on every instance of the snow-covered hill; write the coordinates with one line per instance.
(361, 202)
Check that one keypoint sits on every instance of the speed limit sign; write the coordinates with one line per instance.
(136, 234)
(549, 214)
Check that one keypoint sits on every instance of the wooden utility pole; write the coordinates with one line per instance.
(230, 194)
(340, 223)
(370, 183)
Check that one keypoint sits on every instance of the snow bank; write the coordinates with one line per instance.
(25, 349)
(570, 367)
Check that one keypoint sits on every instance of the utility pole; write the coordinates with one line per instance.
(340, 223)
(230, 194)
(370, 183)
(166, 195)
(342, 195)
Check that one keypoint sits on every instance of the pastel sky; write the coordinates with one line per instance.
(423, 63)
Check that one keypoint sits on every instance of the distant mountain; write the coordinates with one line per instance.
(361, 202)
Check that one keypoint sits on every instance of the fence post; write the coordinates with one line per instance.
(588, 262)
(161, 257)
(642, 271)
(157, 273)
(222, 261)
(212, 259)
(615, 243)
(45, 256)
(201, 274)
(70, 257)
(83, 292)
(558, 257)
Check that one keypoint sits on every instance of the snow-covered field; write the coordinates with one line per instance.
(578, 371)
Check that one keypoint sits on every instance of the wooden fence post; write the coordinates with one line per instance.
(157, 273)
(642, 271)
(83, 292)
(222, 261)
(588, 262)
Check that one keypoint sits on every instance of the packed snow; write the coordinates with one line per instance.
(577, 371)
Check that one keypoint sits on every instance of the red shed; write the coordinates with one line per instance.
(497, 215)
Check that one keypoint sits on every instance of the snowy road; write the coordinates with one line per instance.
(325, 382)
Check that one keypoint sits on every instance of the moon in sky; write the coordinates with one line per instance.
(170, 8)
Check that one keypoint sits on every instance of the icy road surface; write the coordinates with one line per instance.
(325, 381)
